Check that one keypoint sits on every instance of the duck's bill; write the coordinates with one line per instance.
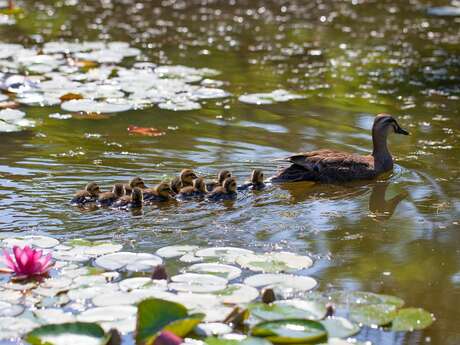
(399, 130)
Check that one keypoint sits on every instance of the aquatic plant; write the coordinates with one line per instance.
(27, 262)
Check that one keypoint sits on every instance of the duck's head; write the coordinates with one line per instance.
(176, 184)
(93, 188)
(230, 185)
(187, 176)
(222, 175)
(199, 185)
(118, 189)
(137, 195)
(137, 182)
(257, 176)
(164, 190)
(384, 123)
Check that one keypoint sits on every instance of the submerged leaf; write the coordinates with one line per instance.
(374, 314)
(410, 319)
(147, 131)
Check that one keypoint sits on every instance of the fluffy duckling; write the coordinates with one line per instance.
(256, 181)
(186, 177)
(161, 192)
(221, 176)
(135, 182)
(197, 190)
(225, 192)
(89, 194)
(176, 185)
(108, 198)
(134, 200)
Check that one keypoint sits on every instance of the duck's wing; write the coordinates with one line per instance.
(327, 166)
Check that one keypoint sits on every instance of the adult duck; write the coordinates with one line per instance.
(329, 166)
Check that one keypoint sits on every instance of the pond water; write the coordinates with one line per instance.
(350, 60)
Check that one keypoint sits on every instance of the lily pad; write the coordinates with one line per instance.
(374, 314)
(90, 106)
(142, 283)
(53, 316)
(155, 315)
(68, 333)
(212, 328)
(8, 309)
(339, 327)
(194, 282)
(12, 327)
(410, 319)
(284, 282)
(269, 98)
(362, 297)
(175, 251)
(236, 339)
(290, 331)
(33, 241)
(274, 262)
(288, 309)
(128, 261)
(223, 254)
(112, 313)
(225, 271)
(237, 293)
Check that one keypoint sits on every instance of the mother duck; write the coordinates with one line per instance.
(330, 166)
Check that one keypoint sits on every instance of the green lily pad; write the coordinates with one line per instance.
(81, 333)
(361, 297)
(288, 309)
(236, 339)
(291, 331)
(154, 315)
(339, 327)
(274, 262)
(374, 314)
(410, 319)
(220, 270)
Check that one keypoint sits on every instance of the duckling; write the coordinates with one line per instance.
(221, 176)
(176, 185)
(329, 166)
(225, 192)
(256, 181)
(89, 194)
(186, 177)
(197, 190)
(161, 192)
(134, 200)
(108, 198)
(135, 182)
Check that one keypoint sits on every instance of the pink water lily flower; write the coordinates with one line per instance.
(167, 338)
(27, 262)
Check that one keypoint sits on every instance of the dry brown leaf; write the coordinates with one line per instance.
(69, 96)
(148, 131)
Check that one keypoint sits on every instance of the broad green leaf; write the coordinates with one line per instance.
(231, 341)
(291, 331)
(410, 319)
(361, 298)
(154, 315)
(339, 327)
(373, 315)
(289, 309)
(81, 333)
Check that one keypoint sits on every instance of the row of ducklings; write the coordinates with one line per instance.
(185, 186)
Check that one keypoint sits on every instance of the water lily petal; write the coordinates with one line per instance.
(9, 261)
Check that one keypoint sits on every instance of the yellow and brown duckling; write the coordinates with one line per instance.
(133, 183)
(196, 191)
(161, 192)
(256, 182)
(330, 166)
(176, 184)
(186, 177)
(108, 198)
(225, 192)
(135, 200)
(89, 194)
(221, 176)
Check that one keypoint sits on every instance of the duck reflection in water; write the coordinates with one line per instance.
(382, 209)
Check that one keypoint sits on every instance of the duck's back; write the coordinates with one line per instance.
(327, 166)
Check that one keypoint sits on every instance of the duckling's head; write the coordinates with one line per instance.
(137, 182)
(384, 123)
(164, 190)
(199, 185)
(137, 195)
(257, 176)
(93, 188)
(230, 185)
(187, 176)
(222, 175)
(176, 184)
(118, 189)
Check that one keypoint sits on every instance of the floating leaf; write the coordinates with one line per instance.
(237, 293)
(147, 131)
(291, 331)
(175, 251)
(128, 261)
(212, 328)
(236, 339)
(224, 271)
(68, 333)
(274, 262)
(284, 282)
(155, 315)
(362, 297)
(90, 106)
(12, 327)
(8, 309)
(288, 309)
(224, 254)
(410, 319)
(339, 327)
(373, 314)
(269, 98)
(193, 282)
(33, 241)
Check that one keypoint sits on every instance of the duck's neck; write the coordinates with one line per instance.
(382, 156)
